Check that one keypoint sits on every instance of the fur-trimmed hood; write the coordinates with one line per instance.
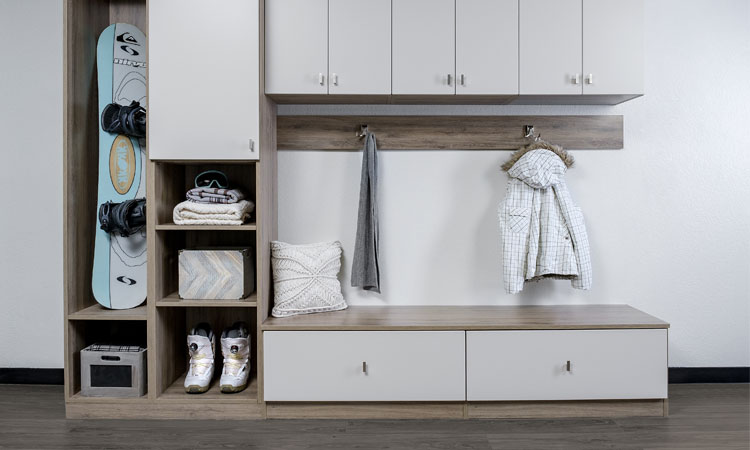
(539, 164)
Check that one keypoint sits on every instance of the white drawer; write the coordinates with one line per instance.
(328, 365)
(532, 365)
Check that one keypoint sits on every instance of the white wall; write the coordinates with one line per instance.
(31, 322)
(668, 216)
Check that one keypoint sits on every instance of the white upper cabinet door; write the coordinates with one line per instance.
(296, 56)
(613, 46)
(550, 50)
(204, 79)
(487, 47)
(359, 46)
(423, 47)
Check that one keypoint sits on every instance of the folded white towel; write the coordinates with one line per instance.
(194, 213)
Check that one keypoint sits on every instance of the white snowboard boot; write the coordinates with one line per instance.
(235, 346)
(201, 344)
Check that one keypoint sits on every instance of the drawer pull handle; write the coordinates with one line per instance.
(567, 366)
(364, 367)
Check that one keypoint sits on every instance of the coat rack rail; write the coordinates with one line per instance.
(448, 132)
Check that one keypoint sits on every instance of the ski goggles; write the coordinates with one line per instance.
(212, 178)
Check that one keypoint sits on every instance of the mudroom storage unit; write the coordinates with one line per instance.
(162, 322)
(391, 361)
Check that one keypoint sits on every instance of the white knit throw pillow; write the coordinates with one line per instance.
(305, 278)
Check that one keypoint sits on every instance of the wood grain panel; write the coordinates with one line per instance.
(176, 393)
(333, 99)
(546, 410)
(354, 411)
(448, 132)
(98, 312)
(129, 11)
(165, 410)
(536, 317)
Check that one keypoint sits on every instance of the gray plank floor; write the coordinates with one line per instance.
(701, 417)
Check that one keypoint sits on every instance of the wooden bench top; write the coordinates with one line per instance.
(531, 317)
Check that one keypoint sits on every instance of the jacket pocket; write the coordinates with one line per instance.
(517, 219)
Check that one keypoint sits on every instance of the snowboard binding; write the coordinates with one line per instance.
(125, 218)
(129, 120)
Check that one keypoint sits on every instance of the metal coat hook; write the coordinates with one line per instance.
(362, 131)
(529, 132)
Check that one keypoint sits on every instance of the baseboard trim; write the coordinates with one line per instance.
(677, 375)
(15, 375)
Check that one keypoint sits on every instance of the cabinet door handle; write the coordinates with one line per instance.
(252, 146)
(321, 79)
(567, 366)
(450, 78)
(335, 79)
(364, 367)
(590, 78)
(577, 79)
(463, 80)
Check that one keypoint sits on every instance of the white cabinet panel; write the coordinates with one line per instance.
(296, 55)
(203, 79)
(613, 46)
(550, 50)
(359, 46)
(532, 365)
(424, 47)
(487, 47)
(398, 365)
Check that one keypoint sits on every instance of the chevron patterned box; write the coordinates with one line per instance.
(216, 274)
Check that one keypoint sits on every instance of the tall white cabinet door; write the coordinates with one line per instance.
(613, 46)
(359, 46)
(204, 79)
(424, 47)
(487, 47)
(550, 50)
(296, 56)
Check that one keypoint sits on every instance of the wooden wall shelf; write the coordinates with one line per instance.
(448, 132)
(174, 300)
(98, 312)
(175, 227)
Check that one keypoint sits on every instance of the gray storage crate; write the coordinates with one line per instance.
(216, 274)
(113, 371)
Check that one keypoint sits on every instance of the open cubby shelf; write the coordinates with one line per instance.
(172, 180)
(171, 347)
(174, 300)
(98, 312)
(174, 227)
(176, 392)
(82, 333)
(166, 247)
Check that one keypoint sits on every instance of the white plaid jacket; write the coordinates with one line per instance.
(542, 230)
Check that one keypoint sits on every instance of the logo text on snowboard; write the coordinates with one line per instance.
(122, 164)
(127, 39)
(129, 62)
(126, 280)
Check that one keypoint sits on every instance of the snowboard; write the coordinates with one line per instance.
(119, 272)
